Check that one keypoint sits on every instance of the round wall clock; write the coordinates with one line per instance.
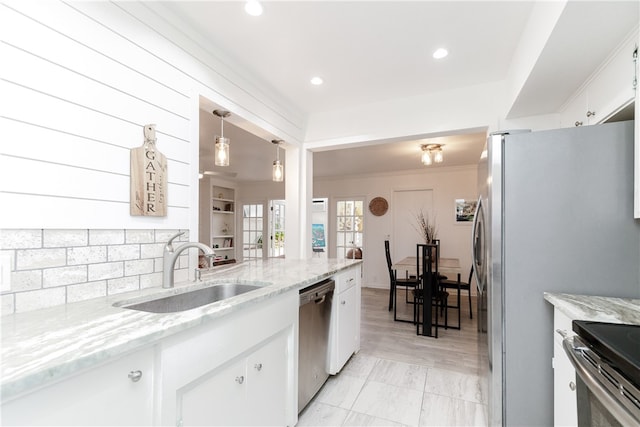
(378, 206)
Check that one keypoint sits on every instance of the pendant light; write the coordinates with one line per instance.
(278, 170)
(222, 143)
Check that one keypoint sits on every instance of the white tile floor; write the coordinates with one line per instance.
(378, 392)
(383, 391)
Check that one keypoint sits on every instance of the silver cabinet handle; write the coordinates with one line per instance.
(578, 123)
(572, 386)
(240, 379)
(258, 366)
(343, 302)
(591, 113)
(135, 376)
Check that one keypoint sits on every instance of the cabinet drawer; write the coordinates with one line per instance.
(345, 280)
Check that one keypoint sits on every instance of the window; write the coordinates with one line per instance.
(349, 226)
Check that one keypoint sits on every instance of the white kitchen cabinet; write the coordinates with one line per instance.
(565, 412)
(608, 90)
(104, 395)
(210, 374)
(344, 335)
(266, 377)
(243, 392)
(575, 112)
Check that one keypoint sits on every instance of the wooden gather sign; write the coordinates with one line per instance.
(148, 177)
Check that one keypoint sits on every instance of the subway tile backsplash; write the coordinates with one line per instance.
(55, 267)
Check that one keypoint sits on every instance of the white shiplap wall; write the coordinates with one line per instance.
(78, 82)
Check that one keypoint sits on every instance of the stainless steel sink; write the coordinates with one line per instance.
(192, 299)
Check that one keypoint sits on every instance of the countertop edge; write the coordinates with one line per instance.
(596, 308)
(15, 385)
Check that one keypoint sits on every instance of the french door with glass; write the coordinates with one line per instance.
(349, 227)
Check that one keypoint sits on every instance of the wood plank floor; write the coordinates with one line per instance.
(382, 337)
(399, 378)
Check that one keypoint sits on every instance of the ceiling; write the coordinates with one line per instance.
(372, 51)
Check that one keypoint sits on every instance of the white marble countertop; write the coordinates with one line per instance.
(49, 344)
(596, 308)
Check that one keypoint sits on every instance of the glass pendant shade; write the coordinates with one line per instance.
(426, 158)
(438, 158)
(222, 151)
(278, 171)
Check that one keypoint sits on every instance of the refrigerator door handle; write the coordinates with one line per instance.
(474, 255)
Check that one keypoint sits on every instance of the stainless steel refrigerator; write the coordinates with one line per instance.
(555, 214)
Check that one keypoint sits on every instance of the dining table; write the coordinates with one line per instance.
(410, 265)
(445, 265)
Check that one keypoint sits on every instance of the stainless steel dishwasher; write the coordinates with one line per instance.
(313, 339)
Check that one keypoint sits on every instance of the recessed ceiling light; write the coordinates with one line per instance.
(253, 8)
(440, 53)
(317, 81)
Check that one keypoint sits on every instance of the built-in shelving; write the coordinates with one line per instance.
(223, 221)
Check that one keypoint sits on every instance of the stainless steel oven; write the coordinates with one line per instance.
(606, 357)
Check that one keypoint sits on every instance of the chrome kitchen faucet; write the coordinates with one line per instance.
(170, 256)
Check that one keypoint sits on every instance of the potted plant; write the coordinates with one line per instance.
(426, 227)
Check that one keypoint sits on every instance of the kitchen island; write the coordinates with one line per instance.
(50, 346)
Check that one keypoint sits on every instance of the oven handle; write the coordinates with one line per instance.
(573, 346)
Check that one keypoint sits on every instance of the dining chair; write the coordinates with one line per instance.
(458, 285)
(440, 275)
(428, 289)
(394, 282)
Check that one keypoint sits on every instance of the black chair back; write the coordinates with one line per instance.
(427, 264)
(387, 253)
(392, 276)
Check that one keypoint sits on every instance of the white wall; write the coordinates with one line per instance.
(447, 184)
(80, 80)
(260, 191)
